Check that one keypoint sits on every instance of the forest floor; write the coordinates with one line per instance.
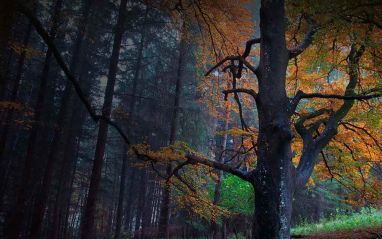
(359, 233)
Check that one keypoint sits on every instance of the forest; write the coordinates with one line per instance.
(195, 119)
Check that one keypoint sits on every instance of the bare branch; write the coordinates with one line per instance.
(308, 39)
(301, 95)
(299, 125)
(326, 164)
(346, 124)
(185, 182)
(241, 114)
(249, 45)
(239, 58)
(240, 90)
(247, 64)
(221, 63)
(226, 168)
(45, 36)
(177, 168)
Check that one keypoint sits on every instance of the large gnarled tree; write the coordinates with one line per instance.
(281, 116)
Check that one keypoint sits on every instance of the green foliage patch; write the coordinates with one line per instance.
(369, 217)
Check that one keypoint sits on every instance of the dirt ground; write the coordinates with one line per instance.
(366, 233)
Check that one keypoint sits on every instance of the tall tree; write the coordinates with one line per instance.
(131, 110)
(87, 226)
(49, 169)
(18, 218)
(165, 211)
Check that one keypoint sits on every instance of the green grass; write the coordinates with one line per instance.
(367, 218)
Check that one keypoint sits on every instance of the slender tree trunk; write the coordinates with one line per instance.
(121, 198)
(70, 150)
(158, 194)
(165, 212)
(18, 218)
(215, 225)
(130, 199)
(69, 194)
(72, 144)
(89, 214)
(141, 204)
(7, 12)
(69, 197)
(132, 111)
(41, 203)
(148, 207)
(15, 90)
(4, 136)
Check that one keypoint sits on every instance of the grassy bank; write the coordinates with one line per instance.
(367, 218)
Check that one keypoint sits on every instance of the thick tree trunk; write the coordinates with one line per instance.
(89, 214)
(274, 178)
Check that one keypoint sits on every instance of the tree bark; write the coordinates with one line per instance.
(273, 184)
(89, 214)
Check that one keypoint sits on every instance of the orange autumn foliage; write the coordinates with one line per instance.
(354, 157)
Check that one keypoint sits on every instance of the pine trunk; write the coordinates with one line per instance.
(87, 226)
(53, 154)
(165, 212)
(131, 118)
